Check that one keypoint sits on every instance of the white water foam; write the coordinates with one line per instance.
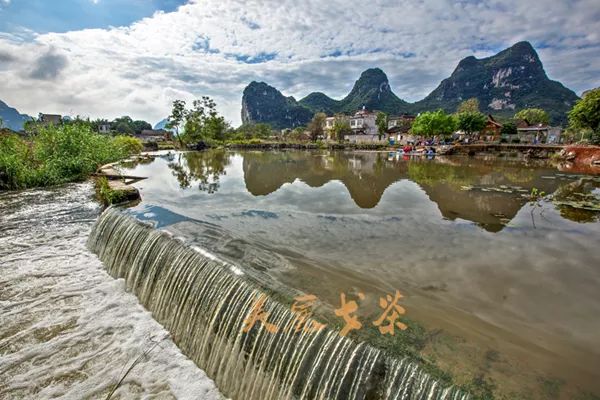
(67, 329)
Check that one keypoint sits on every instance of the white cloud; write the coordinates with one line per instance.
(197, 49)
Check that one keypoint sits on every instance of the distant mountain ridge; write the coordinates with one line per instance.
(162, 124)
(372, 90)
(504, 83)
(11, 118)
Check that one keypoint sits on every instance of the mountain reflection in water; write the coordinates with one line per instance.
(487, 192)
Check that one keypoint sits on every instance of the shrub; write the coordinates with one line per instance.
(58, 154)
(15, 162)
(72, 153)
(128, 144)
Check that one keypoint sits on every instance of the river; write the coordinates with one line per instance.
(502, 291)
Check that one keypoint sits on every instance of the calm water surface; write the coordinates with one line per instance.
(506, 291)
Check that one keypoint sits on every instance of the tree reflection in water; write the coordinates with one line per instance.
(204, 168)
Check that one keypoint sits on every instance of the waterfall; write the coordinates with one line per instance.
(205, 306)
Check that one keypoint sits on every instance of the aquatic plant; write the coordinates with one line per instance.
(106, 194)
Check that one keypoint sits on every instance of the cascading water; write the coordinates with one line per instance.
(204, 305)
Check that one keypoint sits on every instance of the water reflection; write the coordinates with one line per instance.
(365, 175)
(202, 168)
(487, 192)
(446, 181)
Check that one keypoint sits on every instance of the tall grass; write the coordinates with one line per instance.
(58, 154)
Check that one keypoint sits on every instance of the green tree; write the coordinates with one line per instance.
(341, 128)
(176, 119)
(128, 145)
(470, 105)
(252, 131)
(434, 123)
(470, 122)
(585, 115)
(508, 129)
(381, 121)
(96, 123)
(139, 126)
(123, 125)
(315, 127)
(298, 133)
(203, 122)
(30, 127)
(534, 116)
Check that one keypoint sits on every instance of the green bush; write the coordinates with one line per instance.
(15, 161)
(58, 154)
(128, 144)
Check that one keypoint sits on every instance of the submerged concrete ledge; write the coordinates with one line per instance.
(208, 311)
(117, 184)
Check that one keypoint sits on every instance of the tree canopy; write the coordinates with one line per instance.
(469, 121)
(341, 128)
(253, 131)
(469, 105)
(586, 115)
(434, 123)
(315, 127)
(201, 122)
(509, 128)
(381, 121)
(534, 116)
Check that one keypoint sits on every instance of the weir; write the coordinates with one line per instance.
(204, 305)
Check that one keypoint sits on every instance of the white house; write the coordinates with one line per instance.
(363, 122)
(363, 125)
(104, 128)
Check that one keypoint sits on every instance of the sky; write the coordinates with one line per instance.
(108, 58)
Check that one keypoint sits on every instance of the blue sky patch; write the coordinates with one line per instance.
(257, 59)
(44, 16)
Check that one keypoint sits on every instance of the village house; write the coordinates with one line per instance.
(540, 133)
(50, 119)
(362, 123)
(104, 128)
(329, 123)
(154, 135)
(399, 129)
(491, 131)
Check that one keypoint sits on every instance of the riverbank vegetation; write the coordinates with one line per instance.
(585, 116)
(58, 154)
(106, 194)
